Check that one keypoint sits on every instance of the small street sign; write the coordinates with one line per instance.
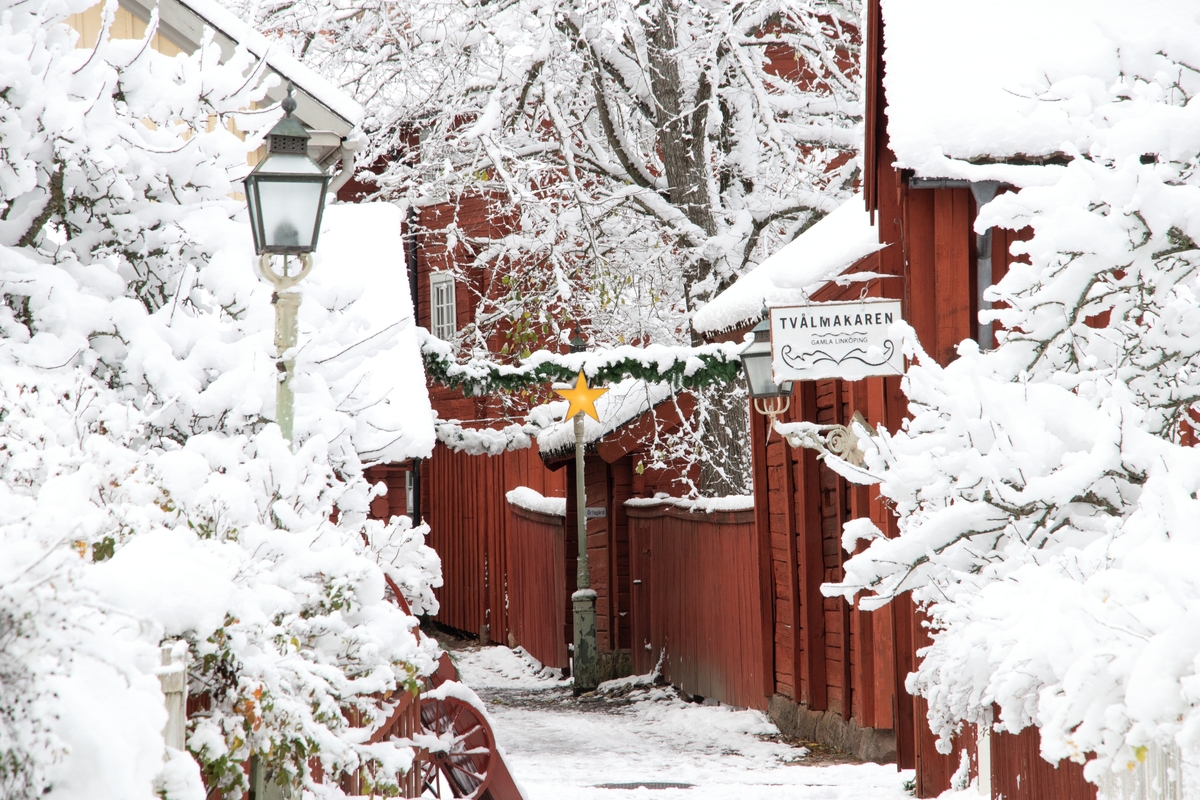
(836, 340)
(597, 512)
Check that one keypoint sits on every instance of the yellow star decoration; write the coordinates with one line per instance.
(582, 397)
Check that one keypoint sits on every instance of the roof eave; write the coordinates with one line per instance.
(184, 27)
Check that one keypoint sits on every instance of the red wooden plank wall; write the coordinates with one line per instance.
(698, 600)
(788, 607)
(621, 481)
(1020, 773)
(607, 487)
(537, 585)
(841, 659)
(459, 519)
(465, 506)
(393, 503)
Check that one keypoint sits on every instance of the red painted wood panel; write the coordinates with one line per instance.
(465, 506)
(697, 602)
(620, 489)
(458, 535)
(537, 585)
(393, 503)
(921, 300)
(952, 235)
(811, 565)
(1020, 773)
(784, 576)
(762, 525)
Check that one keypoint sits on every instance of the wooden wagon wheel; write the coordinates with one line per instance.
(465, 754)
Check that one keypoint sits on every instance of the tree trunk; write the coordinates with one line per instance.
(682, 125)
(725, 442)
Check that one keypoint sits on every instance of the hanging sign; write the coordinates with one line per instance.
(836, 340)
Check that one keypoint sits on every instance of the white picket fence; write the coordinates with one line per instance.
(173, 677)
(1159, 777)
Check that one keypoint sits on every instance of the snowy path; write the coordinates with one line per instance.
(560, 748)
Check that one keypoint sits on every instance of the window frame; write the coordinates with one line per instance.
(446, 306)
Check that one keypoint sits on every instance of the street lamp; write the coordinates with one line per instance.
(585, 665)
(285, 194)
(286, 191)
(770, 399)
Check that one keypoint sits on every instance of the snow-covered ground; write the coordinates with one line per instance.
(560, 748)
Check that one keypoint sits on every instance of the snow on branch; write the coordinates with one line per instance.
(485, 441)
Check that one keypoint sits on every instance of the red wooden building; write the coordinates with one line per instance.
(541, 536)
(837, 672)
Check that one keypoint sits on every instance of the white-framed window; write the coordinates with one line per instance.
(408, 492)
(441, 305)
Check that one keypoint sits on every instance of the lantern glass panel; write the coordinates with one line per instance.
(759, 375)
(252, 204)
(286, 195)
(290, 212)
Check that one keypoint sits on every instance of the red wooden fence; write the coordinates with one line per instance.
(465, 506)
(1020, 773)
(537, 585)
(696, 597)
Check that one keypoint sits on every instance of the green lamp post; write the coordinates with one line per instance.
(285, 194)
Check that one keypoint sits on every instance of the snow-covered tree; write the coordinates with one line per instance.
(143, 493)
(1046, 490)
(636, 156)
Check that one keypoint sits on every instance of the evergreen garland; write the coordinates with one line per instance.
(682, 367)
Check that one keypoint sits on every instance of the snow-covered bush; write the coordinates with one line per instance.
(143, 493)
(1047, 500)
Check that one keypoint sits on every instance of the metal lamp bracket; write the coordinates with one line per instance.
(284, 282)
(772, 407)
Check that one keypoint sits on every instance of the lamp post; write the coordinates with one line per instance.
(585, 667)
(770, 399)
(285, 194)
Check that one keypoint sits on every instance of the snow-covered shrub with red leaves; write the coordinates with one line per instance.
(144, 493)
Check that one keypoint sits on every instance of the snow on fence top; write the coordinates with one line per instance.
(533, 500)
(1009, 81)
(707, 505)
(821, 253)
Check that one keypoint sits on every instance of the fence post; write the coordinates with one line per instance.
(172, 675)
(983, 757)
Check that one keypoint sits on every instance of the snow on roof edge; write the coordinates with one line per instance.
(821, 253)
(625, 401)
(314, 85)
(1018, 92)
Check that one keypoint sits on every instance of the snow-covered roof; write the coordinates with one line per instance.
(359, 370)
(358, 319)
(319, 104)
(818, 255)
(970, 81)
(623, 402)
